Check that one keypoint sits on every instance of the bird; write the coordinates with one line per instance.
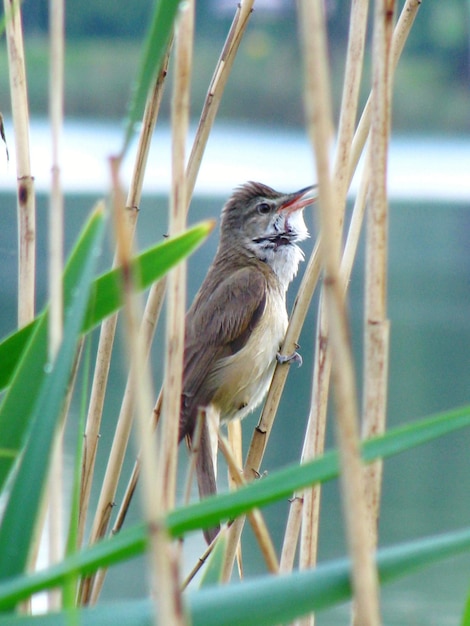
(237, 321)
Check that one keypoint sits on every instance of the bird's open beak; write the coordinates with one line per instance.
(300, 199)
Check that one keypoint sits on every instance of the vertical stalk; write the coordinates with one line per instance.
(315, 436)
(215, 91)
(176, 298)
(376, 322)
(319, 121)
(105, 346)
(26, 203)
(56, 229)
(166, 594)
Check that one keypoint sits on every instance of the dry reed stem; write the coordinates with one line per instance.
(215, 91)
(168, 606)
(315, 429)
(176, 298)
(255, 517)
(376, 323)
(261, 433)
(55, 262)
(26, 202)
(315, 434)
(401, 32)
(107, 333)
(400, 35)
(319, 123)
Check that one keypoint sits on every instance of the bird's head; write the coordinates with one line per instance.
(267, 224)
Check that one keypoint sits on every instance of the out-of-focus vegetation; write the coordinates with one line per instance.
(103, 51)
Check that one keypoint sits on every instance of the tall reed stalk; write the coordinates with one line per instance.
(26, 201)
(56, 245)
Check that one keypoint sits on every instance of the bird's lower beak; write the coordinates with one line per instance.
(300, 199)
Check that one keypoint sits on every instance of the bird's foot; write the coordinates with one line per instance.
(289, 358)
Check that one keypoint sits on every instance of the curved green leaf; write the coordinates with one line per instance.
(105, 298)
(268, 600)
(155, 47)
(25, 492)
(31, 360)
(132, 542)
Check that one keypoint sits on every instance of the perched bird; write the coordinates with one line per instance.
(237, 322)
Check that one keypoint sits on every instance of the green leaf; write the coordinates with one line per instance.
(148, 267)
(106, 298)
(283, 483)
(31, 361)
(132, 541)
(268, 600)
(25, 492)
(212, 573)
(155, 47)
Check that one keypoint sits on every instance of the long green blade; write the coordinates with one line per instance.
(31, 364)
(106, 299)
(283, 483)
(132, 542)
(269, 600)
(155, 47)
(24, 498)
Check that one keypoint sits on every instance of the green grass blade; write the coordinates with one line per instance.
(105, 298)
(11, 349)
(155, 47)
(148, 267)
(283, 483)
(30, 369)
(271, 600)
(132, 541)
(212, 573)
(24, 499)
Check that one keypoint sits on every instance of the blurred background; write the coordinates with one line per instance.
(104, 44)
(259, 135)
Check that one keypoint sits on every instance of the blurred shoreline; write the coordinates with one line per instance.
(420, 168)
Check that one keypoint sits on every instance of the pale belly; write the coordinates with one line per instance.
(242, 379)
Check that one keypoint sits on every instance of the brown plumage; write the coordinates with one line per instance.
(238, 319)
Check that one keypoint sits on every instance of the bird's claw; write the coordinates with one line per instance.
(289, 358)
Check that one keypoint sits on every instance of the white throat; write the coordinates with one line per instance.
(277, 246)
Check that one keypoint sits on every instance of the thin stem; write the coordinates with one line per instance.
(319, 122)
(56, 229)
(26, 202)
(215, 91)
(376, 323)
(176, 300)
(106, 341)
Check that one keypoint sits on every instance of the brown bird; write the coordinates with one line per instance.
(237, 322)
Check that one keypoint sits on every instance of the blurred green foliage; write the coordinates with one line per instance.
(432, 91)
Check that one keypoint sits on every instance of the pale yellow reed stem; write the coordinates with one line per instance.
(319, 123)
(56, 244)
(176, 283)
(26, 202)
(376, 323)
(106, 341)
(315, 435)
(215, 91)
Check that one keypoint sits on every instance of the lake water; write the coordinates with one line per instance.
(426, 491)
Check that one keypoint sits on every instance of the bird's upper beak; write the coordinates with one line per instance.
(299, 199)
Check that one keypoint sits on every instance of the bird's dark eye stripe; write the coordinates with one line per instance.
(263, 208)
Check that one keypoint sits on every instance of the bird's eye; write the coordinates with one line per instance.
(263, 208)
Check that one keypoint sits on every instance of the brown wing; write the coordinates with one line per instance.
(218, 324)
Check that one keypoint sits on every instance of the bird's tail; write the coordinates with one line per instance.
(206, 475)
